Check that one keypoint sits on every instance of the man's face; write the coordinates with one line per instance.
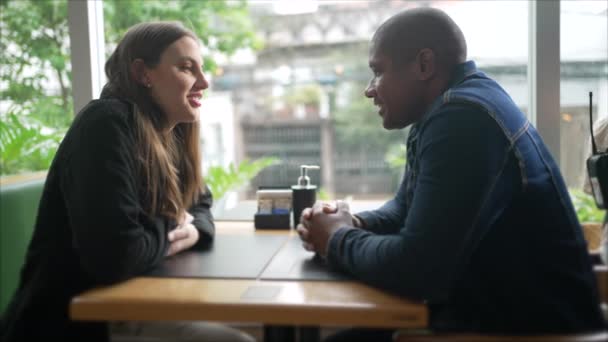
(395, 90)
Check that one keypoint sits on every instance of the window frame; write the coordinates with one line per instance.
(544, 72)
(87, 43)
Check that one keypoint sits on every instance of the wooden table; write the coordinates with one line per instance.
(273, 303)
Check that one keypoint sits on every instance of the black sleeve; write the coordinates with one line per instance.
(110, 232)
(389, 218)
(203, 219)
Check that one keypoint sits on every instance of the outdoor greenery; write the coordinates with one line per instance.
(585, 207)
(26, 144)
(222, 26)
(221, 180)
(35, 61)
(358, 125)
(396, 157)
(35, 67)
(306, 95)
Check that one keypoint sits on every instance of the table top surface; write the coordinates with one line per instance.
(293, 302)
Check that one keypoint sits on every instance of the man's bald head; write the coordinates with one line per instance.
(402, 36)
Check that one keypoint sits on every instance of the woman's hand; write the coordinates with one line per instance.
(186, 218)
(182, 238)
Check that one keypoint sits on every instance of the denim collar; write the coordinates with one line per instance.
(461, 72)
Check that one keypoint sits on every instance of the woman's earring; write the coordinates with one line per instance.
(148, 85)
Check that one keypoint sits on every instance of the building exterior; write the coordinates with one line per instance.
(278, 112)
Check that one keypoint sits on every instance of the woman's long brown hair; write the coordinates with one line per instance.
(169, 161)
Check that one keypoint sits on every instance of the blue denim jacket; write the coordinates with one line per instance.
(482, 227)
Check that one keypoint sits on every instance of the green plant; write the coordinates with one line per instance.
(221, 180)
(322, 195)
(307, 95)
(35, 68)
(395, 156)
(358, 126)
(585, 207)
(222, 26)
(26, 145)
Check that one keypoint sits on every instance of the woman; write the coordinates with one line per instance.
(124, 191)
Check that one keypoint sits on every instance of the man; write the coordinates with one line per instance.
(482, 227)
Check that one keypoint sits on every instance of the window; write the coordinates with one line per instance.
(584, 69)
(301, 98)
(36, 106)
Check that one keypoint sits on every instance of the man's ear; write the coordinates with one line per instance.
(426, 64)
(138, 72)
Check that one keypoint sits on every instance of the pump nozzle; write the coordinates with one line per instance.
(304, 180)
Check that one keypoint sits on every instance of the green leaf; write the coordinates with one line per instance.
(227, 23)
(585, 207)
(26, 145)
(34, 41)
(221, 180)
(396, 156)
(359, 126)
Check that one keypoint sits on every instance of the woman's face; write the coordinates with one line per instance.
(177, 82)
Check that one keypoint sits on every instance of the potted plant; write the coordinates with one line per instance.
(308, 96)
(222, 180)
(589, 216)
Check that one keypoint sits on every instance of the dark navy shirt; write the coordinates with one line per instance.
(482, 227)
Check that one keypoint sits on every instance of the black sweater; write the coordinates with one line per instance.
(91, 228)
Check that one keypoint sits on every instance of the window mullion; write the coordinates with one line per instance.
(85, 22)
(544, 72)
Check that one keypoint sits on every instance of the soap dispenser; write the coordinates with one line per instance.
(304, 194)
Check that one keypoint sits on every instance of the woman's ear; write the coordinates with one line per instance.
(139, 74)
(425, 60)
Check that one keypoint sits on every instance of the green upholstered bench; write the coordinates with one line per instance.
(19, 198)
